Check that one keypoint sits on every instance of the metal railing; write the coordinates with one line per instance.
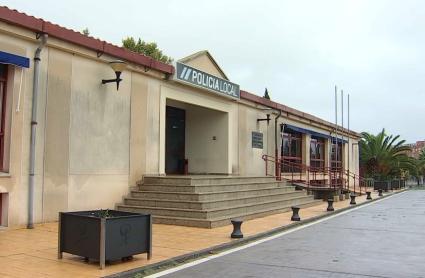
(276, 165)
(316, 177)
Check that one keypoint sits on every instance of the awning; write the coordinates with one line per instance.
(12, 59)
(289, 128)
(338, 140)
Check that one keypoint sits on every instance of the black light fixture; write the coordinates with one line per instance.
(118, 66)
(265, 119)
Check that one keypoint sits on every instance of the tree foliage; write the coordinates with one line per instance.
(420, 165)
(266, 94)
(384, 156)
(149, 49)
(85, 32)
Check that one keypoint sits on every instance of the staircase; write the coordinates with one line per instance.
(211, 201)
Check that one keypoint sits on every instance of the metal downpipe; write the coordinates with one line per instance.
(35, 90)
(276, 150)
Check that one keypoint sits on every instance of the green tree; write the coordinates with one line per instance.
(384, 156)
(85, 32)
(146, 48)
(266, 94)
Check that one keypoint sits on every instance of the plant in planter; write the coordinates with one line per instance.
(104, 235)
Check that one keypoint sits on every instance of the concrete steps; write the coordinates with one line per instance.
(211, 201)
(209, 196)
(204, 188)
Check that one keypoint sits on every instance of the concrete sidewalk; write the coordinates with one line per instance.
(384, 239)
(33, 253)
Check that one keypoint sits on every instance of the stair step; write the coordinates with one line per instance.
(204, 180)
(216, 212)
(214, 204)
(209, 201)
(222, 221)
(208, 196)
(209, 187)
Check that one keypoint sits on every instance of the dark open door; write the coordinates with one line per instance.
(175, 140)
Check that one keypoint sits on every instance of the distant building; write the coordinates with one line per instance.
(416, 148)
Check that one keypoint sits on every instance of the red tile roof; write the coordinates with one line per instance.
(39, 25)
(291, 111)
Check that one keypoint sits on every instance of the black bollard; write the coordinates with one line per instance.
(369, 197)
(330, 205)
(353, 199)
(237, 233)
(295, 215)
(380, 193)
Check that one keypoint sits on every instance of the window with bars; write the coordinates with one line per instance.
(3, 87)
(317, 153)
(291, 152)
(336, 156)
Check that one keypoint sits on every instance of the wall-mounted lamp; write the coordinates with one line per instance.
(118, 66)
(266, 119)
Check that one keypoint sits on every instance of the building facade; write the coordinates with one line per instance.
(93, 142)
(417, 148)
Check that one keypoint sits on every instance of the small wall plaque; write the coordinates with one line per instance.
(257, 140)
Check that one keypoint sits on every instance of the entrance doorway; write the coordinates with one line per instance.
(175, 140)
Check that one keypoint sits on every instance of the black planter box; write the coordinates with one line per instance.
(117, 236)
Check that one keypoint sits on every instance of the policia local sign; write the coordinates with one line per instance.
(192, 76)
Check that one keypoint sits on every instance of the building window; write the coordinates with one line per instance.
(291, 152)
(3, 90)
(317, 154)
(336, 156)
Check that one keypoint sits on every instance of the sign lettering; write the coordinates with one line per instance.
(205, 80)
(257, 140)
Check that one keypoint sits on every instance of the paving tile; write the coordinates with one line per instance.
(34, 252)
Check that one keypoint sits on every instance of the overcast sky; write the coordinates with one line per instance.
(299, 50)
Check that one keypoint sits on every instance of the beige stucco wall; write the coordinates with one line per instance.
(15, 181)
(203, 62)
(83, 131)
(56, 184)
(207, 137)
(250, 159)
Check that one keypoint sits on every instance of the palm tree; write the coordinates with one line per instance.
(420, 166)
(384, 156)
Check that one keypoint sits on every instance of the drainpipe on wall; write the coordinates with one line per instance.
(276, 150)
(35, 90)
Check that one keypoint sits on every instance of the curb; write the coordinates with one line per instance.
(175, 261)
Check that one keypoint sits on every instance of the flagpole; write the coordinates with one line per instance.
(336, 125)
(348, 127)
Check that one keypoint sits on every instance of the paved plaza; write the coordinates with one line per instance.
(383, 239)
(24, 251)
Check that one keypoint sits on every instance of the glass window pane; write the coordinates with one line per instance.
(319, 151)
(285, 147)
(312, 150)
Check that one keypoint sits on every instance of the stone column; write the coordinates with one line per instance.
(305, 145)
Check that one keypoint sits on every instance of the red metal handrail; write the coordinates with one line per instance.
(338, 177)
(267, 159)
